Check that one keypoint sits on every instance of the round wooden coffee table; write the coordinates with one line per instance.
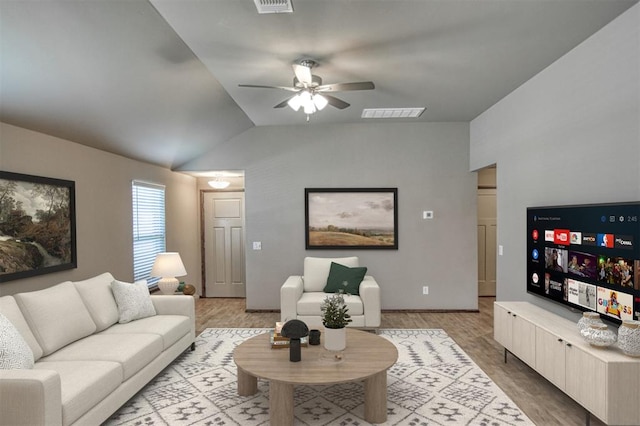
(367, 357)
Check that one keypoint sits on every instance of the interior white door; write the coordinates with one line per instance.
(224, 250)
(487, 242)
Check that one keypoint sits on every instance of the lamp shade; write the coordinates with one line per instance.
(168, 265)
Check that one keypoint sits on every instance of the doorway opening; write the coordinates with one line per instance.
(487, 231)
(222, 225)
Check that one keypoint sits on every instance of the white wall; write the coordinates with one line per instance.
(427, 162)
(570, 135)
(103, 205)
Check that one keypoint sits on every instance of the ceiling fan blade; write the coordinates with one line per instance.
(303, 74)
(335, 102)
(290, 89)
(343, 87)
(284, 103)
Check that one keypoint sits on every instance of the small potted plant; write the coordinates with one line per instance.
(335, 318)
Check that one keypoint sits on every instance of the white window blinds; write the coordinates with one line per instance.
(148, 228)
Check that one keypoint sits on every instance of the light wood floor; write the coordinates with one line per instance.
(539, 399)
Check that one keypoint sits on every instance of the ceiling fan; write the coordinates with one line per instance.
(310, 93)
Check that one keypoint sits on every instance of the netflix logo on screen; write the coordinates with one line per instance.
(561, 236)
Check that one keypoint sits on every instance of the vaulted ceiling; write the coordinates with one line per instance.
(158, 80)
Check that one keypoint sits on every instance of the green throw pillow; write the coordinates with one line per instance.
(345, 279)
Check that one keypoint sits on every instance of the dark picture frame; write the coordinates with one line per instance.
(37, 225)
(351, 218)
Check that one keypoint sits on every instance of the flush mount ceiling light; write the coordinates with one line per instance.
(218, 183)
(392, 112)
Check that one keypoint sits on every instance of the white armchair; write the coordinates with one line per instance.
(301, 296)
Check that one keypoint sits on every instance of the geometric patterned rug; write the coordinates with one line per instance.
(433, 383)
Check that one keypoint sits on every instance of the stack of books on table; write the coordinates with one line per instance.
(279, 341)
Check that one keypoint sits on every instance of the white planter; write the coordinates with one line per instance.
(335, 339)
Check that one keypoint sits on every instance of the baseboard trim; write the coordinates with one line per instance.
(386, 311)
(430, 311)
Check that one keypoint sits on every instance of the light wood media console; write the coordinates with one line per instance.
(604, 381)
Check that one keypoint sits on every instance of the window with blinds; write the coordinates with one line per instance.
(148, 228)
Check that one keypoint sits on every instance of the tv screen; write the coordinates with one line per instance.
(586, 257)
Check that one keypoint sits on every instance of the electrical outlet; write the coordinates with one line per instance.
(425, 289)
(257, 245)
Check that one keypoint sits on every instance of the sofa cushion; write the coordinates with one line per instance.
(133, 300)
(84, 384)
(98, 298)
(316, 270)
(15, 353)
(344, 279)
(170, 328)
(132, 351)
(9, 308)
(309, 304)
(56, 315)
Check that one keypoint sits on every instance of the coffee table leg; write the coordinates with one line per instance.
(247, 384)
(280, 403)
(375, 398)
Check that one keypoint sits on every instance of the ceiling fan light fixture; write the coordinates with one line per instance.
(309, 108)
(320, 102)
(295, 102)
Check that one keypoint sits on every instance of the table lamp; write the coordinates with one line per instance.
(168, 266)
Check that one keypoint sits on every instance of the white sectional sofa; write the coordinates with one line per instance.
(85, 363)
(302, 295)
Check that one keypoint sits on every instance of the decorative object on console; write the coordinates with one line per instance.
(589, 318)
(189, 290)
(335, 318)
(599, 335)
(168, 266)
(295, 330)
(362, 218)
(39, 237)
(629, 337)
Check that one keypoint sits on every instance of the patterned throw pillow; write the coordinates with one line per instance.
(15, 353)
(133, 300)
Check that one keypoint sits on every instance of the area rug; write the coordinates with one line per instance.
(433, 383)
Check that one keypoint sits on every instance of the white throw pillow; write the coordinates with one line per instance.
(15, 353)
(316, 270)
(133, 300)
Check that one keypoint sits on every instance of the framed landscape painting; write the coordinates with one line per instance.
(351, 218)
(37, 225)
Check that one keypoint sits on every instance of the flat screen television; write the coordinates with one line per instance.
(586, 257)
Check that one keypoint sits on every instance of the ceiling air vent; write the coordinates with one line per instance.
(392, 112)
(274, 6)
